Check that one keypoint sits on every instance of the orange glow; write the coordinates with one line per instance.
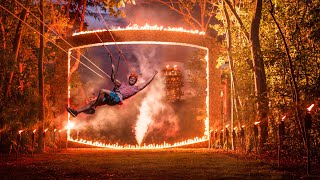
(174, 66)
(284, 117)
(150, 146)
(256, 123)
(243, 126)
(310, 107)
(227, 125)
(145, 27)
(34, 131)
(235, 128)
(154, 28)
(59, 131)
(46, 130)
(20, 131)
(54, 130)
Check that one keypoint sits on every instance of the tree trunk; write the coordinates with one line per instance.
(295, 93)
(41, 82)
(16, 46)
(77, 62)
(259, 73)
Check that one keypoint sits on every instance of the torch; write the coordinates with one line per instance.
(18, 142)
(234, 135)
(44, 138)
(307, 127)
(54, 140)
(242, 137)
(255, 131)
(59, 139)
(280, 137)
(221, 138)
(227, 135)
(33, 136)
(215, 135)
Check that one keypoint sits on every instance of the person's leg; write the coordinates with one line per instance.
(89, 108)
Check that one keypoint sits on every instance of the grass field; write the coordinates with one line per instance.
(95, 163)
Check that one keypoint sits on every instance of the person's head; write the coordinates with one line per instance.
(133, 78)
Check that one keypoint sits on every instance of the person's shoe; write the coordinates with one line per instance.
(74, 113)
(90, 111)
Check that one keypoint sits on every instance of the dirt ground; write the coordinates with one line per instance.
(99, 163)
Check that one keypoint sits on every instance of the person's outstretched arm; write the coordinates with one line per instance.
(146, 83)
(115, 81)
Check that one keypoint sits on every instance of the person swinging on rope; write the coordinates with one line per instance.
(120, 92)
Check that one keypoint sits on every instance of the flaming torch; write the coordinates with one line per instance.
(33, 136)
(255, 130)
(308, 126)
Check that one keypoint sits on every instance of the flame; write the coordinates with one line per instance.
(283, 118)
(227, 125)
(54, 130)
(235, 128)
(167, 66)
(150, 146)
(255, 123)
(59, 131)
(206, 120)
(20, 131)
(46, 130)
(310, 107)
(174, 66)
(243, 126)
(70, 125)
(145, 27)
(34, 131)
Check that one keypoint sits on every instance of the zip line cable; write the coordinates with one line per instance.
(62, 39)
(51, 41)
(109, 52)
(120, 52)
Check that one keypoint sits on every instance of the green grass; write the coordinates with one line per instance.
(161, 164)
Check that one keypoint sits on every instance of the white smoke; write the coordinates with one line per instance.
(153, 104)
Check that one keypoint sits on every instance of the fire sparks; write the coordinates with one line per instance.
(310, 107)
(150, 146)
(143, 126)
(145, 27)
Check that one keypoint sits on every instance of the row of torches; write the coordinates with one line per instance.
(150, 146)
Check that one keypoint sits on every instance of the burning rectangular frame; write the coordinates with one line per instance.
(205, 136)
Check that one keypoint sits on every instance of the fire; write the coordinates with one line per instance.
(284, 117)
(34, 131)
(227, 125)
(145, 27)
(54, 130)
(150, 146)
(141, 126)
(235, 128)
(167, 66)
(46, 130)
(256, 123)
(243, 126)
(20, 131)
(310, 107)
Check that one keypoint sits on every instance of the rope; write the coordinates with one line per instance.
(62, 38)
(120, 52)
(51, 41)
(109, 52)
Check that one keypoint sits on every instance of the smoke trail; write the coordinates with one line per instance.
(153, 104)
